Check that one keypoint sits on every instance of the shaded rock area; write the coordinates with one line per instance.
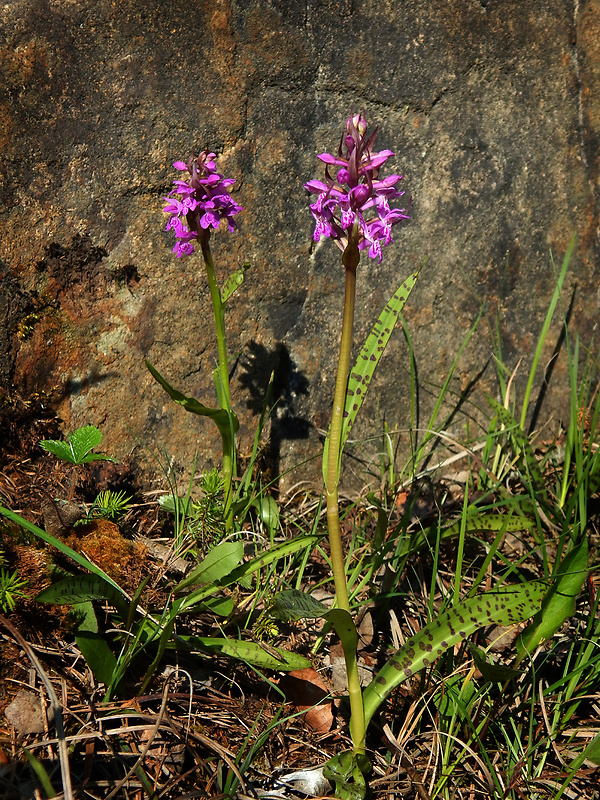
(492, 109)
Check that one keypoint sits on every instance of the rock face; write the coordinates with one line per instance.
(491, 106)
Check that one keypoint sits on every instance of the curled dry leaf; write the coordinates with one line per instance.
(307, 690)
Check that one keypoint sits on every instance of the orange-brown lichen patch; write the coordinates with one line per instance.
(102, 542)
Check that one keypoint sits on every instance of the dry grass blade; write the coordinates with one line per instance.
(148, 744)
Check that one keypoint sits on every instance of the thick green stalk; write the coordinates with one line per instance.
(223, 381)
(357, 720)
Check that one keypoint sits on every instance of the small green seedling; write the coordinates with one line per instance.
(77, 449)
(110, 505)
(11, 589)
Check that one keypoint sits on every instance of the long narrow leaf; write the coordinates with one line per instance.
(253, 653)
(252, 565)
(559, 603)
(371, 352)
(545, 329)
(79, 588)
(366, 362)
(219, 415)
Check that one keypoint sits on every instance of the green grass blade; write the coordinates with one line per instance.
(544, 333)
(41, 774)
(504, 607)
(419, 459)
(521, 445)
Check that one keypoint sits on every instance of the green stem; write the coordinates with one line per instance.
(357, 720)
(223, 379)
(335, 444)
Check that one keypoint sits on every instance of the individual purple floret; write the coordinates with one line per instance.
(199, 202)
(357, 195)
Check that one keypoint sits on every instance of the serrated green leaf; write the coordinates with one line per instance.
(220, 415)
(76, 450)
(293, 605)
(251, 653)
(83, 440)
(504, 607)
(59, 449)
(559, 603)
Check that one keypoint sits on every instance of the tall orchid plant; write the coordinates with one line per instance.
(354, 210)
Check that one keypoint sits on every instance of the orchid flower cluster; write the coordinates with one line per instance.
(199, 203)
(358, 196)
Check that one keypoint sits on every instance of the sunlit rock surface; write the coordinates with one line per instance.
(492, 109)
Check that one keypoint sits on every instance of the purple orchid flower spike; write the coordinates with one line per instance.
(357, 195)
(199, 203)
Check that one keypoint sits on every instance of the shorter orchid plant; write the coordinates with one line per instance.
(199, 203)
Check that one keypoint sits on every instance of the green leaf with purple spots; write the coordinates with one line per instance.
(372, 350)
(368, 358)
(503, 607)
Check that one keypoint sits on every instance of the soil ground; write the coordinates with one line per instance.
(203, 727)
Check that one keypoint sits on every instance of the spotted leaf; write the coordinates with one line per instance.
(368, 358)
(504, 607)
